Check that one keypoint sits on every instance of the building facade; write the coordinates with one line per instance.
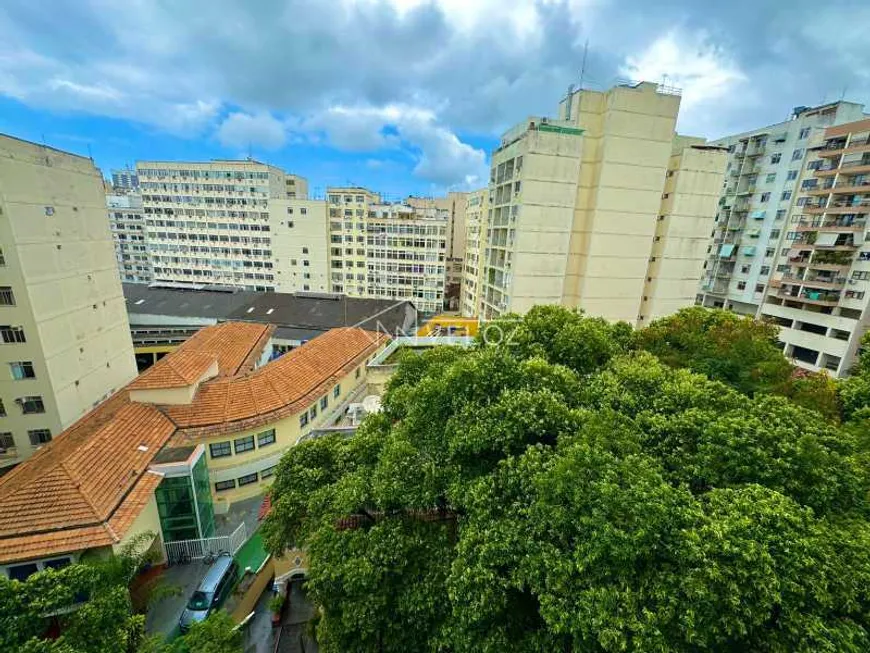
(200, 430)
(575, 205)
(759, 190)
(210, 223)
(819, 290)
(299, 245)
(127, 222)
(476, 224)
(125, 180)
(65, 337)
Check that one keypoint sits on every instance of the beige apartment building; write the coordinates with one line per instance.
(127, 222)
(476, 223)
(65, 337)
(299, 236)
(582, 208)
(387, 250)
(819, 292)
(210, 222)
(295, 187)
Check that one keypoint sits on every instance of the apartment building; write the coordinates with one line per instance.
(575, 204)
(209, 223)
(299, 245)
(203, 428)
(454, 207)
(125, 180)
(759, 190)
(296, 187)
(819, 291)
(65, 338)
(387, 250)
(476, 221)
(127, 223)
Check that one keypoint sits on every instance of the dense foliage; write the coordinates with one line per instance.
(86, 608)
(565, 490)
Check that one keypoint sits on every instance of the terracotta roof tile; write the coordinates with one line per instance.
(184, 368)
(284, 385)
(28, 547)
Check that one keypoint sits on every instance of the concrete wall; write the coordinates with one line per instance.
(299, 234)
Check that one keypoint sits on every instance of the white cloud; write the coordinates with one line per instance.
(242, 130)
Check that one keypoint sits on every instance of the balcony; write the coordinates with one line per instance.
(858, 186)
(815, 281)
(838, 148)
(836, 226)
(816, 297)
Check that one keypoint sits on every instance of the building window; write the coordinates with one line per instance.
(759, 287)
(57, 563)
(786, 195)
(336, 391)
(792, 175)
(221, 486)
(39, 436)
(797, 155)
(7, 297)
(22, 572)
(290, 223)
(12, 334)
(22, 370)
(775, 233)
(357, 372)
(854, 294)
(304, 250)
(2, 409)
(2, 258)
(303, 211)
(304, 263)
(741, 285)
(247, 479)
(266, 438)
(324, 402)
(770, 178)
(220, 449)
(780, 214)
(244, 444)
(313, 412)
(6, 441)
(268, 472)
(303, 419)
(31, 405)
(775, 158)
(765, 197)
(861, 275)
(803, 133)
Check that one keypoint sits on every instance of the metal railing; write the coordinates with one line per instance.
(186, 550)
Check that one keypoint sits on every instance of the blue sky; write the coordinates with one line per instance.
(403, 96)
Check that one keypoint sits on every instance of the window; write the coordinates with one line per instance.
(336, 391)
(49, 211)
(744, 269)
(220, 486)
(12, 334)
(2, 258)
(759, 287)
(247, 479)
(770, 178)
(782, 268)
(765, 197)
(290, 223)
(741, 285)
(861, 275)
(774, 233)
(357, 372)
(220, 449)
(39, 436)
(2, 409)
(854, 294)
(324, 402)
(769, 252)
(775, 158)
(22, 572)
(244, 444)
(6, 441)
(266, 438)
(289, 210)
(304, 250)
(305, 263)
(803, 201)
(313, 412)
(786, 195)
(797, 155)
(268, 472)
(31, 405)
(22, 370)
(780, 214)
(303, 419)
(7, 297)
(792, 175)
(57, 563)
(803, 133)
(303, 211)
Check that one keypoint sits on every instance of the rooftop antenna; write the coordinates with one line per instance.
(843, 94)
(583, 65)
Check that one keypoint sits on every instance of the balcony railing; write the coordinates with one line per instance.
(811, 297)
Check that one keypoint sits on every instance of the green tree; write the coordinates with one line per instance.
(526, 496)
(217, 634)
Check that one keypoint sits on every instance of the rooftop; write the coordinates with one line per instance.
(85, 488)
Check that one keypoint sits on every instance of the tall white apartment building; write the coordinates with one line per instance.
(819, 291)
(64, 337)
(476, 221)
(759, 189)
(127, 222)
(299, 245)
(582, 207)
(210, 222)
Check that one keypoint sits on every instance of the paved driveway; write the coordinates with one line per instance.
(163, 616)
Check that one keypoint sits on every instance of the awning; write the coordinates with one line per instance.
(749, 251)
(754, 233)
(757, 215)
(726, 250)
(826, 239)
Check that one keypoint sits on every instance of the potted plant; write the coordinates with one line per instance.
(276, 604)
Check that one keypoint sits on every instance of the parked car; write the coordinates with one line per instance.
(212, 591)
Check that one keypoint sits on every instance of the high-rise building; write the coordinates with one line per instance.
(296, 187)
(387, 250)
(476, 220)
(125, 180)
(65, 337)
(299, 245)
(212, 222)
(760, 188)
(577, 205)
(819, 290)
(127, 222)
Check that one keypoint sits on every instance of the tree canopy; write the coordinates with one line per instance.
(572, 486)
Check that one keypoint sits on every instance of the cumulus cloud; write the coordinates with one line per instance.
(240, 130)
